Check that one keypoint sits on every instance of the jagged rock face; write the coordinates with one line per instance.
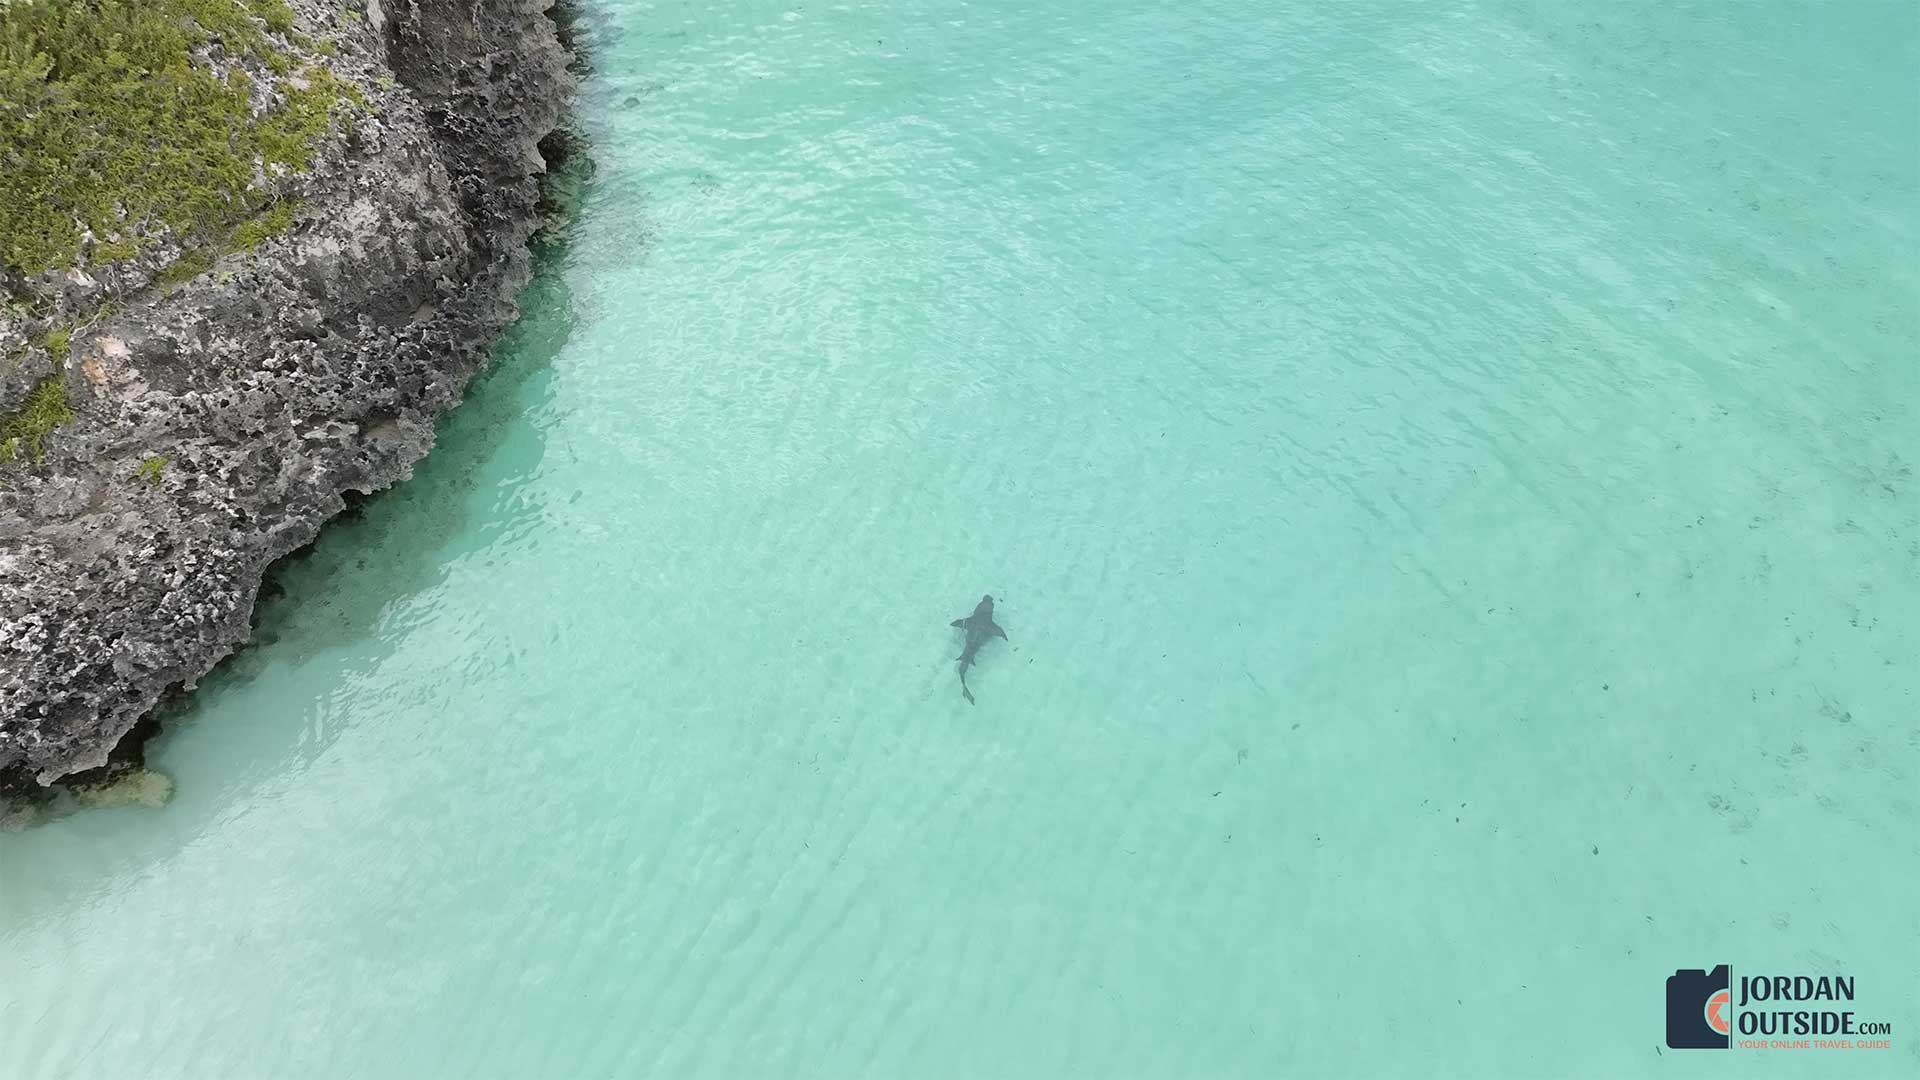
(272, 385)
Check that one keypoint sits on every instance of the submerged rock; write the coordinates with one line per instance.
(140, 787)
(222, 413)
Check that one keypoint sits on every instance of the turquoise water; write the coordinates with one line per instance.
(1447, 476)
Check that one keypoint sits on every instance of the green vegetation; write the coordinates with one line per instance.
(151, 469)
(265, 226)
(275, 13)
(27, 428)
(57, 342)
(108, 124)
(107, 251)
(188, 266)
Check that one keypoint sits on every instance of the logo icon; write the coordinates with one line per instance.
(1698, 1008)
(1717, 1006)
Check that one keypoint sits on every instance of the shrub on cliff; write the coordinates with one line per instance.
(118, 115)
(23, 431)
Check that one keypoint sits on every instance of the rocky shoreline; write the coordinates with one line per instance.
(216, 411)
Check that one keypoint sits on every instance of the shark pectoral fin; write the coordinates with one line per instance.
(958, 622)
(997, 630)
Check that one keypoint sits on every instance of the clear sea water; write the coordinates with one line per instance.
(1447, 471)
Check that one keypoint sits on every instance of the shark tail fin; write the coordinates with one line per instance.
(964, 692)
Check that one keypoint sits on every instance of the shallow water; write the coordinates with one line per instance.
(1446, 472)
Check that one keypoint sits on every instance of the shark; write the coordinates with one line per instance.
(980, 629)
